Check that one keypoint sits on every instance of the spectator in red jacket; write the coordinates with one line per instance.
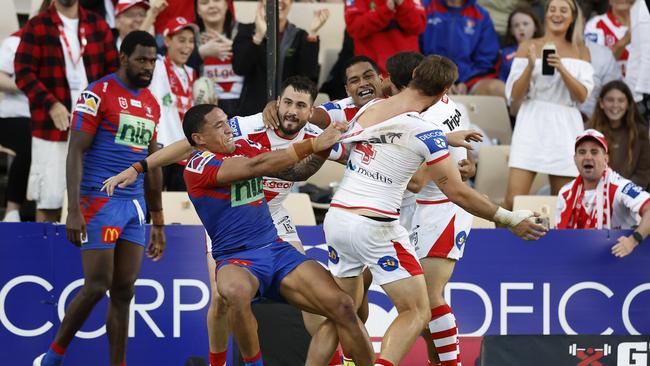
(61, 51)
(382, 28)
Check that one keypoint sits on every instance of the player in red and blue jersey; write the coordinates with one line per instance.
(224, 180)
(113, 126)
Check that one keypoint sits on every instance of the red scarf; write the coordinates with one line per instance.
(575, 216)
(183, 96)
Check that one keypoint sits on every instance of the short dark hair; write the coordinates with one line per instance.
(301, 84)
(356, 60)
(195, 119)
(135, 38)
(400, 67)
(433, 75)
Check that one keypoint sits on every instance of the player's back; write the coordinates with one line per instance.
(236, 216)
(124, 122)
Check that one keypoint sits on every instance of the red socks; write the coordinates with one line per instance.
(382, 362)
(218, 359)
(445, 335)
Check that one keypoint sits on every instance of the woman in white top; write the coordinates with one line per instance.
(548, 120)
(15, 132)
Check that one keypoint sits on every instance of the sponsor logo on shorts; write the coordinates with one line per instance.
(434, 139)
(110, 234)
(135, 132)
(333, 255)
(88, 103)
(240, 262)
(632, 190)
(245, 192)
(460, 239)
(388, 263)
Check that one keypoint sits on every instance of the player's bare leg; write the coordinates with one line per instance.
(217, 320)
(46, 215)
(437, 272)
(311, 288)
(557, 182)
(238, 287)
(519, 182)
(409, 295)
(126, 266)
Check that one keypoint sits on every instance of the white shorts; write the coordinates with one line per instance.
(46, 184)
(440, 230)
(285, 227)
(406, 213)
(355, 242)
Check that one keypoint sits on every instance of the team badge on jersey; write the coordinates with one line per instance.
(388, 263)
(434, 139)
(123, 103)
(88, 102)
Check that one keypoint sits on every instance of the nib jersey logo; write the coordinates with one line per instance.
(134, 132)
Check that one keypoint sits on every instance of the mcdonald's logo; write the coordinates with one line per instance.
(110, 234)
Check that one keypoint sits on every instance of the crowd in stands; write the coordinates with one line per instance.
(597, 75)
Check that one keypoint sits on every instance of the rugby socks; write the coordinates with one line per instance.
(53, 356)
(255, 360)
(337, 358)
(445, 335)
(382, 362)
(347, 361)
(218, 359)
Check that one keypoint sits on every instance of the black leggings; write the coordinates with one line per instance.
(15, 134)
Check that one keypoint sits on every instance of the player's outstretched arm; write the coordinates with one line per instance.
(75, 225)
(445, 174)
(170, 154)
(153, 195)
(461, 138)
(303, 169)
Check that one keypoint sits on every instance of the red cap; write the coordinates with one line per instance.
(592, 134)
(177, 24)
(124, 5)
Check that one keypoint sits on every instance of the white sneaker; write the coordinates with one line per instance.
(12, 216)
(37, 360)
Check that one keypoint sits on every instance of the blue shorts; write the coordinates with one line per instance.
(269, 264)
(109, 219)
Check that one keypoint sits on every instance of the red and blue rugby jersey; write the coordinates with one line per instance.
(235, 215)
(123, 121)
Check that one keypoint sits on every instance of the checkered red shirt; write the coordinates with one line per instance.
(40, 65)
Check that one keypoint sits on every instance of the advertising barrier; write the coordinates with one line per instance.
(566, 283)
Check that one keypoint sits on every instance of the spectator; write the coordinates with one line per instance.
(171, 85)
(382, 28)
(606, 69)
(618, 118)
(611, 30)
(153, 24)
(638, 66)
(14, 129)
(216, 20)
(463, 31)
(523, 25)
(548, 119)
(600, 198)
(129, 16)
(61, 51)
(500, 11)
(168, 9)
(298, 54)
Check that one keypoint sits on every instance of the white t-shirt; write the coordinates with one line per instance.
(638, 64)
(12, 104)
(75, 70)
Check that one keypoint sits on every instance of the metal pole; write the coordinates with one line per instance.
(271, 49)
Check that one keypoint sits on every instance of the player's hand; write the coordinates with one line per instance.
(329, 137)
(60, 116)
(467, 169)
(75, 227)
(527, 229)
(122, 180)
(320, 18)
(461, 138)
(270, 115)
(624, 246)
(157, 243)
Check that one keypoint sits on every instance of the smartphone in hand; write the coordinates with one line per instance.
(547, 50)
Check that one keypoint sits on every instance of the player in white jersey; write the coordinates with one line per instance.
(391, 141)
(294, 107)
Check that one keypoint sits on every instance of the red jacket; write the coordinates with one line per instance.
(379, 32)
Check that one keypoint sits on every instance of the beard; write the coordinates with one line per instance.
(67, 3)
(136, 80)
(289, 131)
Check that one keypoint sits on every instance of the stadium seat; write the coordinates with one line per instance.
(321, 98)
(178, 209)
(492, 173)
(545, 205)
(9, 19)
(330, 173)
(299, 208)
(490, 113)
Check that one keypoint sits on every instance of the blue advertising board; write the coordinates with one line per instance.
(566, 283)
